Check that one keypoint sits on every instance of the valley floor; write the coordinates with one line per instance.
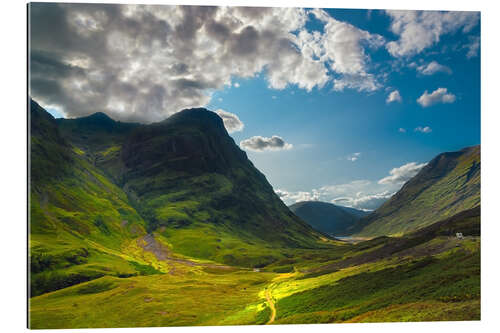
(434, 279)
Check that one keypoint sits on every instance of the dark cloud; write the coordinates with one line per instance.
(260, 143)
(145, 62)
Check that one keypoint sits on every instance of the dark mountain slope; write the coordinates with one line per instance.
(448, 184)
(99, 138)
(327, 217)
(191, 181)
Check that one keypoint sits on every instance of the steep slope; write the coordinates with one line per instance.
(79, 220)
(191, 182)
(100, 138)
(447, 185)
(195, 190)
(327, 217)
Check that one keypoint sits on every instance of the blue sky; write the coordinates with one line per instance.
(358, 104)
(327, 127)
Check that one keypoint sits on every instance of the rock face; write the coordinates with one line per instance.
(326, 217)
(447, 185)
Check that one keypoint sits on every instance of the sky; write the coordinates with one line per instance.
(336, 105)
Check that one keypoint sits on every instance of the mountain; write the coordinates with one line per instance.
(190, 181)
(113, 198)
(79, 219)
(327, 217)
(447, 185)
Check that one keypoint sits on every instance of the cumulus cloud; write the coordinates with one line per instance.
(401, 130)
(432, 68)
(440, 95)
(360, 194)
(231, 121)
(364, 202)
(402, 174)
(425, 129)
(297, 196)
(394, 96)
(353, 157)
(146, 62)
(260, 143)
(418, 30)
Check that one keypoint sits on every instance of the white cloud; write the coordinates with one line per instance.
(232, 122)
(401, 130)
(394, 96)
(144, 63)
(402, 174)
(473, 46)
(360, 194)
(353, 157)
(260, 143)
(432, 68)
(418, 30)
(364, 202)
(297, 196)
(425, 129)
(236, 85)
(440, 95)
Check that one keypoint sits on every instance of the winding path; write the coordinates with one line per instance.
(271, 305)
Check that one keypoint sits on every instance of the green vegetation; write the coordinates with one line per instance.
(449, 184)
(170, 225)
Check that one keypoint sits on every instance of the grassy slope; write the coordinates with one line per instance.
(79, 220)
(447, 185)
(424, 276)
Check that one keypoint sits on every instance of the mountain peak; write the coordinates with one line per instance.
(200, 116)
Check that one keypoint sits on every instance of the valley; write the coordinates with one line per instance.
(170, 224)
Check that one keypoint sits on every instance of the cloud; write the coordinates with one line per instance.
(360, 194)
(473, 46)
(297, 196)
(425, 129)
(402, 174)
(418, 30)
(260, 143)
(353, 157)
(432, 68)
(401, 130)
(364, 202)
(440, 95)
(236, 85)
(231, 121)
(144, 63)
(394, 96)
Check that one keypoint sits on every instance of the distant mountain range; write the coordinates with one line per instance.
(447, 185)
(327, 217)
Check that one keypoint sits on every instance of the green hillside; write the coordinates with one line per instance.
(326, 217)
(78, 218)
(447, 185)
(170, 224)
(429, 275)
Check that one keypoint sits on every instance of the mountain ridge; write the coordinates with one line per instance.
(327, 217)
(448, 184)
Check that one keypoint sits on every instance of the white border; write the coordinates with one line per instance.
(13, 166)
